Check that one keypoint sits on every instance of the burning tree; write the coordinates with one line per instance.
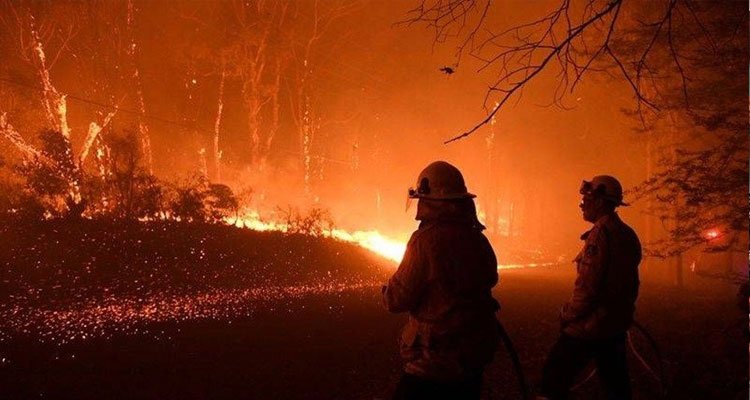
(127, 190)
(134, 77)
(680, 58)
(52, 180)
(305, 114)
(258, 54)
(56, 163)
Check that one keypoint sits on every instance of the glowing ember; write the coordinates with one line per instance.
(133, 315)
(145, 306)
(712, 234)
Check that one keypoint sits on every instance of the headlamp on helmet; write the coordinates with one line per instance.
(422, 190)
(587, 188)
(603, 186)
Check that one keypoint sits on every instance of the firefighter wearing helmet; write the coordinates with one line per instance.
(595, 320)
(444, 282)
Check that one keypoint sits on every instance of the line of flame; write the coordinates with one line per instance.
(371, 240)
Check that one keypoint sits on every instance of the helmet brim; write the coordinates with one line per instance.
(448, 197)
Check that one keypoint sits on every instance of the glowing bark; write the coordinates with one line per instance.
(274, 88)
(305, 116)
(56, 110)
(54, 103)
(94, 130)
(29, 152)
(217, 125)
(306, 131)
(202, 162)
(254, 102)
(259, 86)
(102, 158)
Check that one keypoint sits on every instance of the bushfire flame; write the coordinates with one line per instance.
(372, 240)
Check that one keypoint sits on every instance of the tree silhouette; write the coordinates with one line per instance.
(686, 64)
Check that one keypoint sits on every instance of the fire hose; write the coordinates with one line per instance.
(656, 371)
(505, 339)
(659, 374)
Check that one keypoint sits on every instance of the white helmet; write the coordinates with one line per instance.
(440, 181)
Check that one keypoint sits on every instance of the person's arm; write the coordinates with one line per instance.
(589, 280)
(492, 261)
(405, 287)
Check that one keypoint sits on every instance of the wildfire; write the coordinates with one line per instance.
(712, 234)
(372, 240)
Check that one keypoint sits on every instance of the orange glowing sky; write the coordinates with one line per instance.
(378, 97)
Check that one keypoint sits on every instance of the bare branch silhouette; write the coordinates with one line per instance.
(574, 39)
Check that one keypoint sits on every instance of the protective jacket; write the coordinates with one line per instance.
(606, 287)
(444, 282)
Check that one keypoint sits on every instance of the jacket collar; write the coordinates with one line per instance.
(601, 222)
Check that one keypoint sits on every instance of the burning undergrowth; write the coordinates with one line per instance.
(63, 280)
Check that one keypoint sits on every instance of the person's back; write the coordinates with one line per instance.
(444, 282)
(621, 284)
(460, 272)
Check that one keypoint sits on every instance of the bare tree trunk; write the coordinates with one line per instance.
(102, 158)
(202, 163)
(94, 130)
(491, 204)
(253, 105)
(678, 267)
(54, 103)
(304, 115)
(217, 125)
(145, 137)
(253, 58)
(354, 162)
(273, 127)
(29, 152)
(511, 220)
(56, 108)
(306, 133)
(649, 200)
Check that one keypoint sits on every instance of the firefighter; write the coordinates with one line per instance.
(444, 282)
(595, 320)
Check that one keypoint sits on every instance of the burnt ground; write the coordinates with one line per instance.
(329, 340)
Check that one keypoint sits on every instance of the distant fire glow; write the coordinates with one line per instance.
(389, 248)
(712, 234)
